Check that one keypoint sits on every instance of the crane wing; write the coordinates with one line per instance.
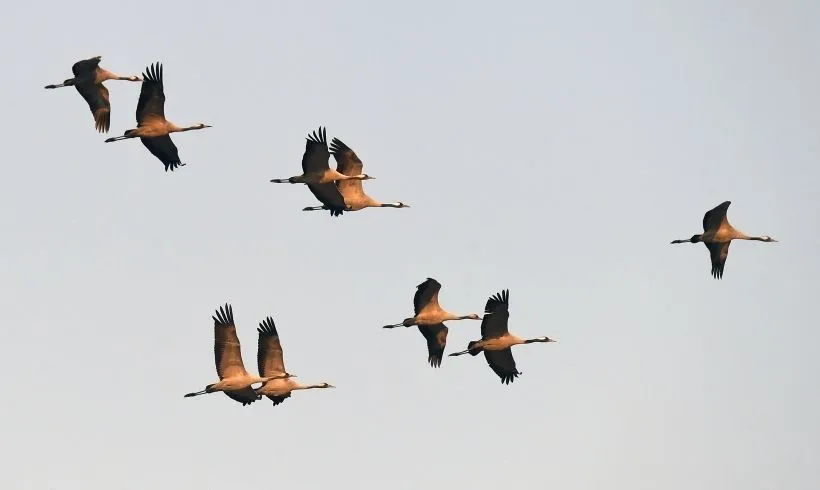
(85, 68)
(96, 95)
(269, 357)
(152, 95)
(227, 351)
(716, 216)
(277, 399)
(426, 295)
(347, 163)
(165, 150)
(497, 312)
(316, 153)
(245, 396)
(329, 195)
(436, 336)
(503, 364)
(718, 253)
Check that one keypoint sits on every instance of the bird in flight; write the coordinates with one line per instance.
(496, 339)
(234, 380)
(152, 128)
(429, 318)
(347, 163)
(88, 80)
(271, 364)
(718, 235)
(318, 175)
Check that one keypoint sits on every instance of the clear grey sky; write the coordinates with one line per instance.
(552, 148)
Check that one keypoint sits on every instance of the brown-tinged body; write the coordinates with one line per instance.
(153, 129)
(88, 80)
(355, 199)
(270, 362)
(429, 318)
(496, 339)
(718, 235)
(234, 380)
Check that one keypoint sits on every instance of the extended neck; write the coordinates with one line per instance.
(310, 387)
(353, 177)
(176, 129)
(450, 316)
(537, 339)
(103, 75)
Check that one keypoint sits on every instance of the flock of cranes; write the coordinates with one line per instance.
(338, 190)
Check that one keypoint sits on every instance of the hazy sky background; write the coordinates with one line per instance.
(552, 148)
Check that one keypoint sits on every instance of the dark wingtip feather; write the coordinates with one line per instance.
(498, 300)
(267, 328)
(172, 165)
(318, 136)
(435, 361)
(224, 316)
(509, 378)
(337, 146)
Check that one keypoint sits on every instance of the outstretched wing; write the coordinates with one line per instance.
(277, 399)
(426, 293)
(329, 195)
(151, 103)
(96, 95)
(497, 312)
(316, 154)
(715, 216)
(269, 357)
(503, 364)
(165, 150)
(436, 336)
(718, 253)
(347, 163)
(245, 396)
(227, 351)
(85, 68)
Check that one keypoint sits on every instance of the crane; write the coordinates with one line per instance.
(88, 80)
(718, 235)
(348, 163)
(429, 318)
(271, 364)
(496, 339)
(318, 175)
(234, 380)
(152, 128)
